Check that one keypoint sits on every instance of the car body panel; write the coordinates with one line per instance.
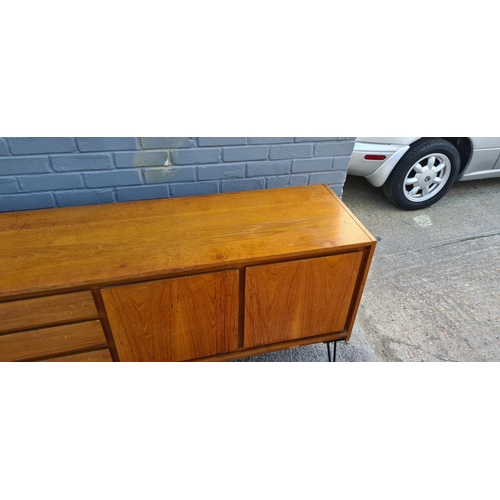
(484, 158)
(380, 175)
(484, 161)
(388, 140)
(485, 142)
(377, 171)
(364, 168)
(482, 174)
(481, 160)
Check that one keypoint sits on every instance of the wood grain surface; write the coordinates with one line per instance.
(101, 355)
(64, 339)
(44, 311)
(57, 249)
(175, 319)
(297, 299)
(181, 279)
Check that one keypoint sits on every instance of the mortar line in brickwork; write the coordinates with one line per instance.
(51, 167)
(8, 147)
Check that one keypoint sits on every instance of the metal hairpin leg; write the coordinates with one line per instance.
(334, 350)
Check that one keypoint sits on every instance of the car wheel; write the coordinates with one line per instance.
(423, 175)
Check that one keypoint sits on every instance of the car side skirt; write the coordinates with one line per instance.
(483, 174)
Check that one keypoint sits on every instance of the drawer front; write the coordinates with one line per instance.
(297, 299)
(46, 342)
(43, 311)
(101, 355)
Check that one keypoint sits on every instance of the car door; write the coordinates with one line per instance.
(484, 159)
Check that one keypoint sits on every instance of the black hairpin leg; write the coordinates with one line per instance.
(334, 350)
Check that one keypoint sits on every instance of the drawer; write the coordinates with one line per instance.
(101, 355)
(44, 311)
(47, 342)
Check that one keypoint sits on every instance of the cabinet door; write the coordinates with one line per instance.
(291, 300)
(174, 319)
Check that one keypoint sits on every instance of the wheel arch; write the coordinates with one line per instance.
(456, 148)
(463, 145)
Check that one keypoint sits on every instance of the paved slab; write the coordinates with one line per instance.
(433, 292)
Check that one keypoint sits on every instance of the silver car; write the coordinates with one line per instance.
(415, 172)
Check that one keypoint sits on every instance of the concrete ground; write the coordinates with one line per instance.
(433, 292)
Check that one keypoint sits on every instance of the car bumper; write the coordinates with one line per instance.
(375, 171)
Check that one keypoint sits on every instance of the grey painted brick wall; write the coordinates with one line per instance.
(38, 172)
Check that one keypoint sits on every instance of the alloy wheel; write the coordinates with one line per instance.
(427, 177)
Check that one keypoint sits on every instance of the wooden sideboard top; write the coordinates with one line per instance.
(65, 248)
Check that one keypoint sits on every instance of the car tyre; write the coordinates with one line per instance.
(424, 174)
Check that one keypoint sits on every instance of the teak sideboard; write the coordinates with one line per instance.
(213, 278)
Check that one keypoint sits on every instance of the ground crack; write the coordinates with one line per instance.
(421, 349)
(462, 240)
